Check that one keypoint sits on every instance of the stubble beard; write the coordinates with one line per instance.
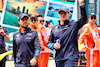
(25, 26)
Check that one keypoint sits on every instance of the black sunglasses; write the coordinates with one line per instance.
(94, 17)
(41, 21)
(33, 20)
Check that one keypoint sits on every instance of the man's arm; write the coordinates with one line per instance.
(37, 45)
(4, 32)
(83, 35)
(83, 18)
(33, 61)
(14, 49)
(50, 43)
(6, 36)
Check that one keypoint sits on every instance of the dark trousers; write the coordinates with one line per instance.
(2, 62)
(21, 65)
(67, 63)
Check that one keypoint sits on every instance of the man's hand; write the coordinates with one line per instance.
(81, 2)
(57, 45)
(33, 62)
(2, 32)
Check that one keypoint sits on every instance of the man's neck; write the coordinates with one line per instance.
(62, 22)
(91, 23)
(22, 29)
(40, 26)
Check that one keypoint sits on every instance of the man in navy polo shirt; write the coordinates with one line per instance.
(3, 36)
(26, 46)
(63, 37)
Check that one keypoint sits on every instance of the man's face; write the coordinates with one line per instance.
(23, 22)
(33, 21)
(92, 19)
(40, 20)
(64, 15)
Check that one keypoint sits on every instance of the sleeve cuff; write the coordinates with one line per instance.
(37, 54)
(50, 45)
(35, 57)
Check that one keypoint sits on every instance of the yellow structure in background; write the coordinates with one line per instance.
(4, 54)
(81, 46)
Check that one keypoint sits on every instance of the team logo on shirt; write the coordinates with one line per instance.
(28, 37)
(56, 29)
(17, 35)
(66, 27)
(29, 34)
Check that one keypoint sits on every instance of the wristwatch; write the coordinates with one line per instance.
(4, 35)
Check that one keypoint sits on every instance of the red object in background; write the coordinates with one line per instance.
(1, 32)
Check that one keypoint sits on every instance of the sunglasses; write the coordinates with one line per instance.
(41, 21)
(94, 17)
(33, 20)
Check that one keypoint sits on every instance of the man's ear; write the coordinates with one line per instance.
(18, 22)
(68, 14)
(89, 18)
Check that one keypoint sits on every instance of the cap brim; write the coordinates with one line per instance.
(62, 11)
(25, 16)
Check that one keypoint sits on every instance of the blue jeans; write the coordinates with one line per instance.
(25, 65)
(67, 63)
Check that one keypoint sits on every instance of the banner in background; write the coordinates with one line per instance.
(48, 8)
(1, 8)
(93, 6)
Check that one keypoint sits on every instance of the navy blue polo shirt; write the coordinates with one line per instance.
(2, 41)
(67, 34)
(25, 46)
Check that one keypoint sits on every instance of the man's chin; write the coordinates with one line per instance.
(25, 26)
(63, 19)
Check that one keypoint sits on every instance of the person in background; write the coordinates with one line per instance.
(4, 35)
(91, 37)
(48, 25)
(43, 38)
(42, 32)
(33, 22)
(63, 37)
(26, 46)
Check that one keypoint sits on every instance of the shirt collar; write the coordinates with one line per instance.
(26, 30)
(66, 22)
